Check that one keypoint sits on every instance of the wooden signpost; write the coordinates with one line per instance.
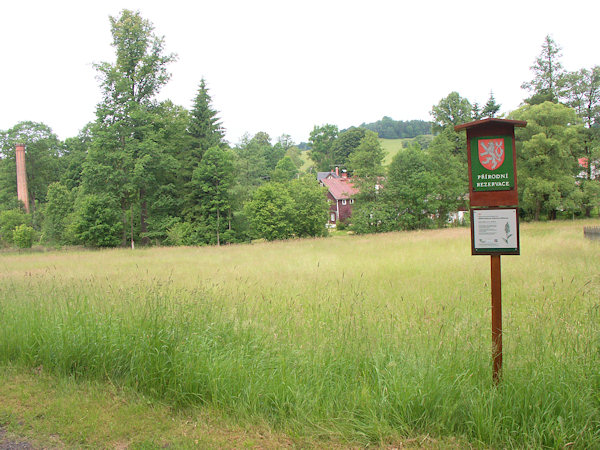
(494, 204)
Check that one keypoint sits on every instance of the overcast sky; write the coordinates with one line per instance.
(285, 66)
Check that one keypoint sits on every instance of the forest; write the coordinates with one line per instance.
(150, 172)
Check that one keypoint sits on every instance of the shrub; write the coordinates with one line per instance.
(180, 233)
(9, 220)
(22, 236)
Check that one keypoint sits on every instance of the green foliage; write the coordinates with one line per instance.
(9, 220)
(42, 151)
(321, 143)
(450, 111)
(205, 131)
(22, 236)
(373, 215)
(424, 140)
(387, 128)
(180, 233)
(73, 157)
(422, 188)
(271, 212)
(282, 210)
(56, 213)
(131, 147)
(251, 164)
(98, 221)
(366, 161)
(491, 108)
(211, 185)
(448, 165)
(285, 170)
(310, 207)
(295, 155)
(548, 73)
(347, 143)
(411, 189)
(547, 152)
(205, 127)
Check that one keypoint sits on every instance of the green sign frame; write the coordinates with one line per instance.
(492, 164)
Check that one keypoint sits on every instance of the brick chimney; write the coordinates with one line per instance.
(337, 171)
(22, 193)
(344, 173)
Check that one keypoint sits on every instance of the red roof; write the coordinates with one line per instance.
(340, 188)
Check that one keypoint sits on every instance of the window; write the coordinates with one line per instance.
(333, 217)
(351, 201)
(343, 202)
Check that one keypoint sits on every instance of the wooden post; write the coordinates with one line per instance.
(496, 317)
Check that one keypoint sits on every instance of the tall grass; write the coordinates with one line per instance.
(361, 338)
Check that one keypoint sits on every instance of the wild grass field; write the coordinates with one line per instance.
(359, 340)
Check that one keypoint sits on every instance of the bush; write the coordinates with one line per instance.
(98, 221)
(9, 220)
(180, 233)
(23, 236)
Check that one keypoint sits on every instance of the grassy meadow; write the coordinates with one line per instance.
(359, 340)
(391, 147)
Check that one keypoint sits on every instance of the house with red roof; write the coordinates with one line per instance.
(595, 170)
(340, 192)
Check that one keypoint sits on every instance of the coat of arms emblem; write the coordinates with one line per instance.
(491, 153)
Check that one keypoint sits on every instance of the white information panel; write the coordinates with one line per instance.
(495, 231)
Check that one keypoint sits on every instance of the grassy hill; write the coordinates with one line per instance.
(391, 147)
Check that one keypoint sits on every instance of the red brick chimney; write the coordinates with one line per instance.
(22, 193)
(337, 171)
(344, 173)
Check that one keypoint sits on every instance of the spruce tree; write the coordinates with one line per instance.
(205, 127)
(491, 108)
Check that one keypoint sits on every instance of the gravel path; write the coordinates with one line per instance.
(7, 444)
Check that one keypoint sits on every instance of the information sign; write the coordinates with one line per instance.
(493, 198)
(492, 163)
(495, 231)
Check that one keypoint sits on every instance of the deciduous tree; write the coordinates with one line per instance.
(321, 143)
(124, 148)
(547, 152)
(450, 111)
(42, 152)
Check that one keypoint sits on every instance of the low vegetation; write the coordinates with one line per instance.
(353, 339)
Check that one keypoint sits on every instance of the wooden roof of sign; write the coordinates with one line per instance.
(491, 121)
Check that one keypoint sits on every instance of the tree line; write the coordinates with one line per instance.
(148, 171)
(152, 172)
(557, 155)
(388, 128)
(427, 182)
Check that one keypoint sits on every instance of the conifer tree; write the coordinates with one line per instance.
(205, 127)
(205, 131)
(491, 108)
(548, 72)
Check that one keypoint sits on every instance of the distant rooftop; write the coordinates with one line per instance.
(341, 188)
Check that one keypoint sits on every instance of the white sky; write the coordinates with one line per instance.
(285, 66)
